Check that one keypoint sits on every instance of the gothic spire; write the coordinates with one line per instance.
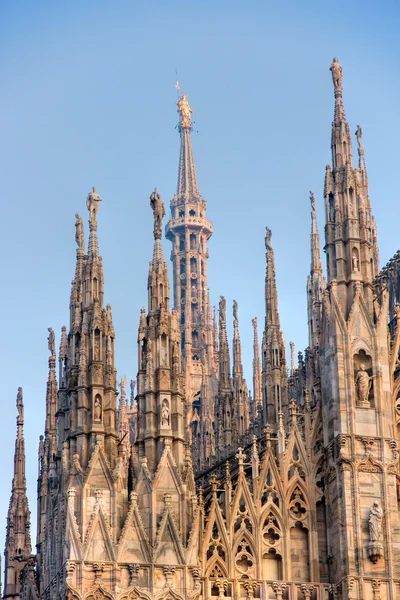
(158, 283)
(189, 231)
(274, 375)
(224, 358)
(316, 263)
(87, 355)
(341, 139)
(350, 232)
(159, 382)
(316, 283)
(51, 390)
(123, 421)
(241, 392)
(18, 540)
(187, 180)
(257, 393)
(271, 293)
(237, 349)
(92, 203)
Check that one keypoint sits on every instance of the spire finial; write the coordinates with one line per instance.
(158, 209)
(337, 76)
(185, 111)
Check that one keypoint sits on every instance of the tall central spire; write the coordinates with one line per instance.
(187, 180)
(189, 230)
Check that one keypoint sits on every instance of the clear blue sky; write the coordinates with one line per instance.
(88, 98)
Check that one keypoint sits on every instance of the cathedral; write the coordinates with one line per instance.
(184, 485)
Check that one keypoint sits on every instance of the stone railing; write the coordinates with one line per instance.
(188, 221)
(236, 589)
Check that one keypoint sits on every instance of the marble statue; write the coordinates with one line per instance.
(165, 413)
(92, 204)
(337, 73)
(79, 231)
(375, 522)
(157, 206)
(97, 409)
(363, 384)
(51, 342)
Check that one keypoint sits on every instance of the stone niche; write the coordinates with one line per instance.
(363, 380)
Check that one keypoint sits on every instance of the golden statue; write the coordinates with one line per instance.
(185, 111)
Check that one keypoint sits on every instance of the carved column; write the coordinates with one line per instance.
(279, 588)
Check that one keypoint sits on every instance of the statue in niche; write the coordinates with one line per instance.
(363, 386)
(92, 204)
(337, 73)
(355, 261)
(97, 409)
(165, 413)
(157, 206)
(79, 231)
(51, 342)
(375, 548)
(96, 350)
(375, 522)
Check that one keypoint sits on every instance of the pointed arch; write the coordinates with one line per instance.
(244, 555)
(243, 514)
(216, 568)
(134, 593)
(98, 592)
(270, 484)
(168, 548)
(98, 544)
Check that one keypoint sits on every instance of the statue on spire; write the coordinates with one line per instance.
(312, 198)
(79, 231)
(51, 342)
(185, 111)
(20, 407)
(92, 203)
(268, 234)
(337, 73)
(157, 206)
(359, 139)
(235, 310)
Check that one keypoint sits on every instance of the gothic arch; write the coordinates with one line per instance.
(97, 592)
(298, 504)
(216, 568)
(244, 555)
(270, 506)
